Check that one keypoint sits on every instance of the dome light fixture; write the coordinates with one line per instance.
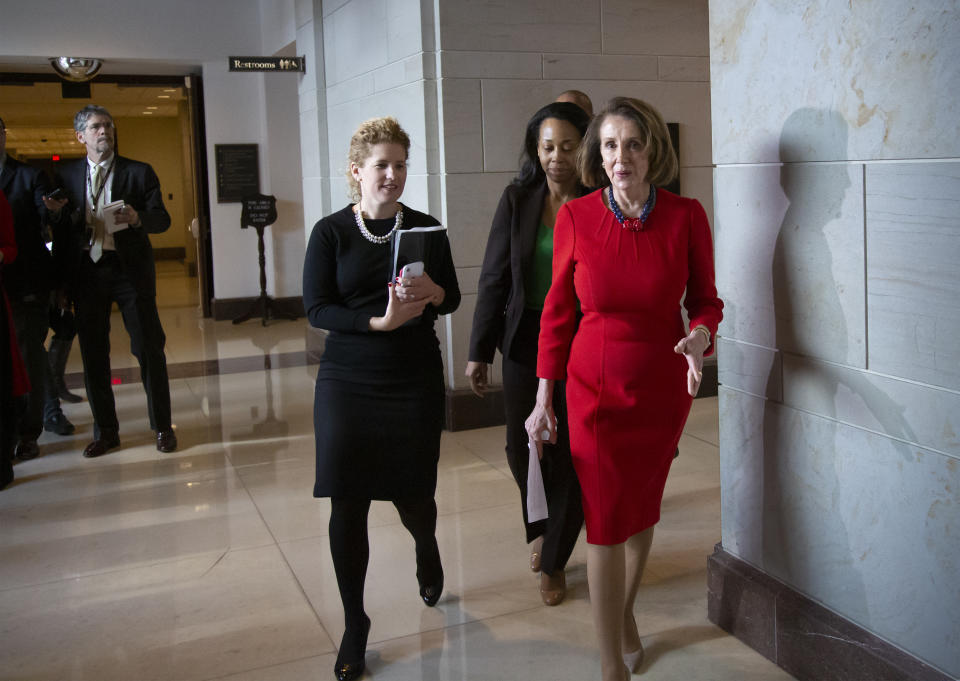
(76, 69)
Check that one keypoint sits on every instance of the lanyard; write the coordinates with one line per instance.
(95, 198)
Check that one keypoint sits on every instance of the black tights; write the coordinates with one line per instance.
(350, 547)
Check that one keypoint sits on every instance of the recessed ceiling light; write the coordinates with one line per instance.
(170, 90)
(163, 96)
(147, 113)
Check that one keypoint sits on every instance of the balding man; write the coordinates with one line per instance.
(577, 97)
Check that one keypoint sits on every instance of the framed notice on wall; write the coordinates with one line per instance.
(238, 171)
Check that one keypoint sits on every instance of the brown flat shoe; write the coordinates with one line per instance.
(553, 588)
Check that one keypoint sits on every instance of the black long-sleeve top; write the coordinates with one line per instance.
(345, 276)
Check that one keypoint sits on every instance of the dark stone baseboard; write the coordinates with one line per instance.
(807, 640)
(170, 253)
(464, 410)
(231, 308)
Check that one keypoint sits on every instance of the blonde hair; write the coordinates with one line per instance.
(384, 130)
(654, 136)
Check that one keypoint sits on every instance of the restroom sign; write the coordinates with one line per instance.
(275, 64)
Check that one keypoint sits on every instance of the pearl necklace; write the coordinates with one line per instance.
(373, 238)
(634, 224)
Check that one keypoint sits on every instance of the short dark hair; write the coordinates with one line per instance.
(86, 113)
(531, 172)
(3, 126)
(653, 135)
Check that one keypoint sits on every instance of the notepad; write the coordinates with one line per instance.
(110, 216)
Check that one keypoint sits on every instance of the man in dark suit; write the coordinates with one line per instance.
(29, 281)
(106, 257)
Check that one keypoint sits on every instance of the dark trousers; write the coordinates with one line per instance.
(350, 546)
(30, 321)
(564, 505)
(102, 284)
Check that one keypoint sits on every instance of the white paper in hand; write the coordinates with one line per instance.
(536, 494)
(110, 217)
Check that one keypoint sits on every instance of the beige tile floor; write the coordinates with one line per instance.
(212, 563)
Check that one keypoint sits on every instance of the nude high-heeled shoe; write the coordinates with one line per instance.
(634, 660)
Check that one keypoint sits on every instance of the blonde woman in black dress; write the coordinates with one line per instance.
(378, 407)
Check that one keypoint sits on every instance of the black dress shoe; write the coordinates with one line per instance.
(27, 449)
(101, 446)
(166, 441)
(353, 647)
(59, 424)
(430, 575)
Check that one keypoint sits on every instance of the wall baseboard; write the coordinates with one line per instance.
(170, 253)
(231, 308)
(807, 640)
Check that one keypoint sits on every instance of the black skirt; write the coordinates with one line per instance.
(378, 413)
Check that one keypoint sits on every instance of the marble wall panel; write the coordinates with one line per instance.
(905, 410)
(310, 161)
(397, 73)
(697, 183)
(529, 26)
(600, 67)
(351, 89)
(462, 125)
(472, 64)
(853, 519)
(404, 37)
(314, 208)
(405, 103)
(304, 11)
(790, 258)
(508, 104)
(750, 368)
(469, 278)
(874, 65)
(358, 22)
(471, 200)
(684, 68)
(678, 27)
(913, 251)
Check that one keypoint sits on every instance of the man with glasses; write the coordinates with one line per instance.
(101, 243)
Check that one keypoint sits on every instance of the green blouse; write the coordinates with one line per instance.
(537, 278)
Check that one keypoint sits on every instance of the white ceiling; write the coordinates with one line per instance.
(40, 122)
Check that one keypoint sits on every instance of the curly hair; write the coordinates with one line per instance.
(383, 130)
(653, 135)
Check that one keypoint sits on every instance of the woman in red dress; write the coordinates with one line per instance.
(627, 253)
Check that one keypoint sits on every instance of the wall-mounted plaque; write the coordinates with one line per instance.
(238, 171)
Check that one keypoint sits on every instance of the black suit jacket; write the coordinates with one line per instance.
(500, 292)
(138, 186)
(31, 272)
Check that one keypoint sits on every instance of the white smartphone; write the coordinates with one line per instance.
(413, 269)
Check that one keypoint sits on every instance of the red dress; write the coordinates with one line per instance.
(627, 395)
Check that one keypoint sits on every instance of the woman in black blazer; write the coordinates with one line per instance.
(513, 284)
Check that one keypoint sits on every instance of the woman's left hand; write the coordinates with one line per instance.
(411, 289)
(692, 348)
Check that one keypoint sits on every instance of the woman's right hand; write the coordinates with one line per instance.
(477, 373)
(398, 312)
(542, 421)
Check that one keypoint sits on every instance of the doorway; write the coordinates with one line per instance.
(159, 120)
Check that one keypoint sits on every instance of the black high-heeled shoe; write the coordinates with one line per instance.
(353, 648)
(430, 575)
